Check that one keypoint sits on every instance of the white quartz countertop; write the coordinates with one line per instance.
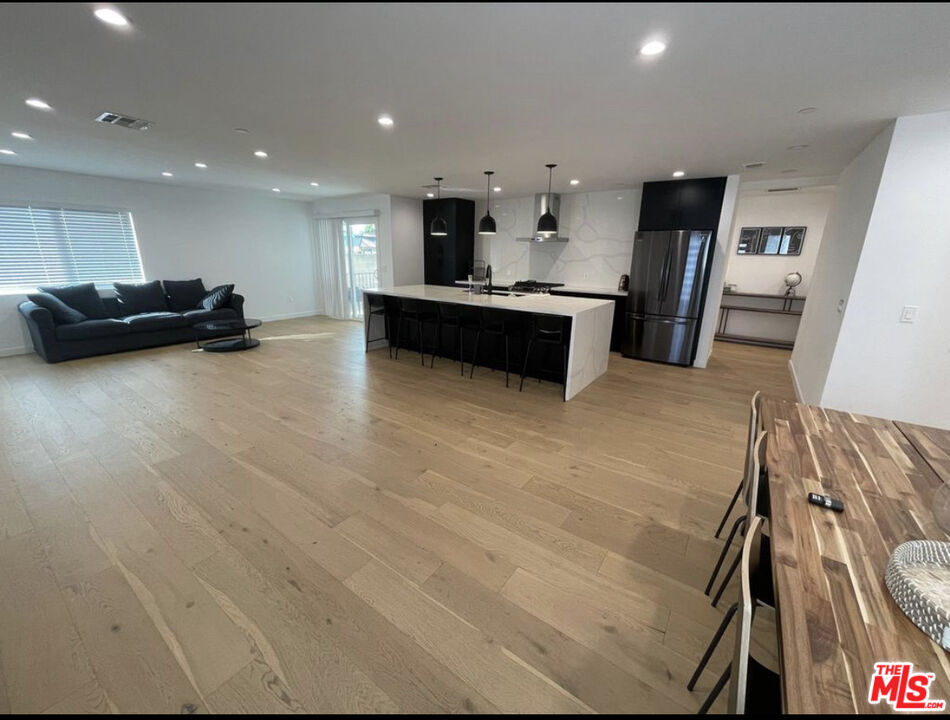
(544, 304)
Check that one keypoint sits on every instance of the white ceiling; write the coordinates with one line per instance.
(508, 87)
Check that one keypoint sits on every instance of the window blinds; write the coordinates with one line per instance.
(51, 246)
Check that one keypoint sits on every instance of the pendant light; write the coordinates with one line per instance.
(486, 226)
(547, 223)
(438, 228)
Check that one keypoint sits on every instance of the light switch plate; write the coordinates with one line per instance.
(909, 313)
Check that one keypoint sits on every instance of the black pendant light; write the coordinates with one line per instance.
(438, 228)
(547, 223)
(486, 226)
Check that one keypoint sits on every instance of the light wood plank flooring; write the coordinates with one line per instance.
(304, 528)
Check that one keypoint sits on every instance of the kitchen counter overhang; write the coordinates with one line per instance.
(591, 320)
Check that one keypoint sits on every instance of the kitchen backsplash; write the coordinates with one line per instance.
(600, 227)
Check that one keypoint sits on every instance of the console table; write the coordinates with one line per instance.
(787, 307)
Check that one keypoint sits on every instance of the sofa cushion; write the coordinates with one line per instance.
(150, 322)
(139, 298)
(199, 316)
(82, 297)
(184, 294)
(88, 329)
(217, 298)
(62, 313)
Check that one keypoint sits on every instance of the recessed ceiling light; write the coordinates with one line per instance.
(679, 173)
(575, 182)
(430, 194)
(620, 197)
(315, 184)
(797, 147)
(4, 151)
(260, 154)
(38, 104)
(654, 47)
(385, 120)
(497, 189)
(111, 16)
(167, 174)
(807, 110)
(21, 135)
(242, 131)
(275, 189)
(201, 165)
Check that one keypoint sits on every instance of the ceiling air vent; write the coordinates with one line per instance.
(126, 121)
(753, 165)
(793, 189)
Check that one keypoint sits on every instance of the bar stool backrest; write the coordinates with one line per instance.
(751, 555)
(376, 302)
(548, 328)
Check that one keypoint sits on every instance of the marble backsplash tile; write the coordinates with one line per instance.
(600, 227)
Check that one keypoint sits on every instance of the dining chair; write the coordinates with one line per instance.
(750, 439)
(753, 688)
(761, 579)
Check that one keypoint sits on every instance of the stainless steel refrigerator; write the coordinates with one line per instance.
(664, 302)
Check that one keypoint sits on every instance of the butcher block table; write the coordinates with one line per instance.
(836, 617)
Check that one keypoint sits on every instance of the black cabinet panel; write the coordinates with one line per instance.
(448, 258)
(682, 204)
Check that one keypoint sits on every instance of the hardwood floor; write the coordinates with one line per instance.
(303, 527)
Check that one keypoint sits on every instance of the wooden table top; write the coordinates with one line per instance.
(836, 616)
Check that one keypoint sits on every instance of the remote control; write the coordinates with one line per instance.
(826, 501)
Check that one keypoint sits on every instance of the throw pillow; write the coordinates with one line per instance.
(219, 297)
(138, 298)
(184, 294)
(62, 313)
(83, 297)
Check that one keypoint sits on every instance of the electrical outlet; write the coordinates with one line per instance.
(909, 313)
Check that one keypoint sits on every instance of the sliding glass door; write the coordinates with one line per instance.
(361, 260)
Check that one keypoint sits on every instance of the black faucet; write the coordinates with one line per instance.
(488, 288)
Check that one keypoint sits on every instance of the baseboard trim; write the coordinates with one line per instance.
(17, 350)
(795, 385)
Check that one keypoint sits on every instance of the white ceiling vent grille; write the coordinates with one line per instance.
(753, 165)
(126, 121)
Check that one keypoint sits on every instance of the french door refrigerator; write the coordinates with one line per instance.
(664, 301)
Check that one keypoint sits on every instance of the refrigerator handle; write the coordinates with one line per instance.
(665, 283)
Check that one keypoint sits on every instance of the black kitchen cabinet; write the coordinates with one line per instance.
(620, 312)
(682, 204)
(448, 258)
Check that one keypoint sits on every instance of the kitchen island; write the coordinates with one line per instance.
(587, 322)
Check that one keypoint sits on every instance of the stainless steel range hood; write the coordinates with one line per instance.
(541, 207)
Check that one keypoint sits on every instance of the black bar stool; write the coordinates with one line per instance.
(418, 312)
(546, 330)
(453, 316)
(496, 323)
(377, 308)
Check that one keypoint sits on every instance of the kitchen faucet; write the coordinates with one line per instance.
(488, 286)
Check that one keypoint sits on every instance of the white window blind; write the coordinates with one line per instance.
(52, 246)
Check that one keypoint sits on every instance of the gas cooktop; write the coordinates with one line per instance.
(533, 286)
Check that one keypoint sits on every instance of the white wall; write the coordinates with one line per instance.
(600, 227)
(707, 332)
(261, 244)
(882, 366)
(758, 208)
(407, 241)
(835, 266)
